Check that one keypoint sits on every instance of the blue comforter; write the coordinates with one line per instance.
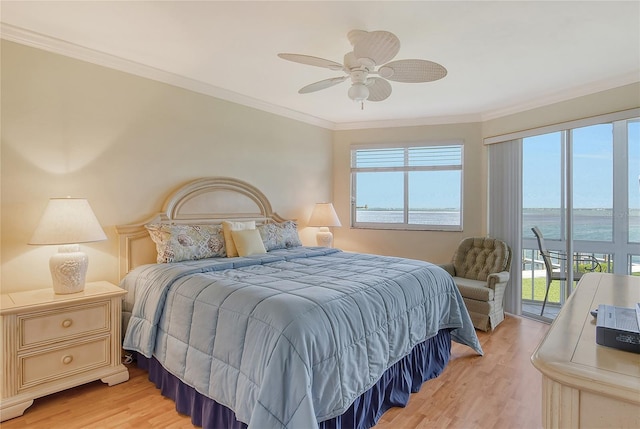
(292, 337)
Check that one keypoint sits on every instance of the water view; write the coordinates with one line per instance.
(588, 224)
(419, 217)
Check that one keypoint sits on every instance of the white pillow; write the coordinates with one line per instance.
(248, 242)
(227, 227)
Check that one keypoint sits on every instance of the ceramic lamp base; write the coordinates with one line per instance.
(324, 237)
(68, 269)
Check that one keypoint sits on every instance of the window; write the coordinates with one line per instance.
(412, 186)
(546, 186)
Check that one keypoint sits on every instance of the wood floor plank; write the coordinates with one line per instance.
(501, 389)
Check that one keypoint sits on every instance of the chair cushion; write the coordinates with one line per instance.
(477, 257)
(474, 289)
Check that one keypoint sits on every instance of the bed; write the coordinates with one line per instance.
(283, 335)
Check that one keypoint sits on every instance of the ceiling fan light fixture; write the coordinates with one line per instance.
(358, 92)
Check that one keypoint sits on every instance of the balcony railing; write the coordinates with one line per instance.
(534, 281)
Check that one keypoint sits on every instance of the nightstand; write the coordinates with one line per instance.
(54, 342)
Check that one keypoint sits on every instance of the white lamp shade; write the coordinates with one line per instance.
(324, 215)
(68, 221)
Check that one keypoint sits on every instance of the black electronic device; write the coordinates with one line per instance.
(619, 327)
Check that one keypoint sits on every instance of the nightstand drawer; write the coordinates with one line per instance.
(59, 363)
(58, 325)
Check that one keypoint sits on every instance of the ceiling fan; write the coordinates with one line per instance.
(370, 50)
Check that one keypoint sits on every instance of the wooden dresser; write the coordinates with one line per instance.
(585, 385)
(53, 342)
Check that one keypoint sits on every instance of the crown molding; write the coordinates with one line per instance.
(57, 46)
(410, 122)
(560, 96)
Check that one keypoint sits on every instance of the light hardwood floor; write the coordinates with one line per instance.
(502, 389)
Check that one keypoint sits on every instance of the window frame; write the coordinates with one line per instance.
(405, 169)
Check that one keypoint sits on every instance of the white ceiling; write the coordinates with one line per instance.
(501, 56)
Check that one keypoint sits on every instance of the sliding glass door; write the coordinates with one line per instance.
(581, 188)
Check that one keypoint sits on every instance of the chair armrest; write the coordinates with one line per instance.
(449, 268)
(497, 280)
(589, 259)
(578, 259)
(555, 254)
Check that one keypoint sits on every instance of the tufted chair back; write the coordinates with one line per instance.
(477, 257)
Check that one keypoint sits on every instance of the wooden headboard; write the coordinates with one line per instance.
(203, 201)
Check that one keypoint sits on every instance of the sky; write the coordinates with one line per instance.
(386, 192)
(592, 168)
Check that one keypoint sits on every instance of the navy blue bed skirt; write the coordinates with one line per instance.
(426, 361)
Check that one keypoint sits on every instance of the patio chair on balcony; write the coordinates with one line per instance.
(588, 262)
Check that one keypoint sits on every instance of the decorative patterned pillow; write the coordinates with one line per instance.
(280, 235)
(181, 242)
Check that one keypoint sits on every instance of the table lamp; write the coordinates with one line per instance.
(324, 216)
(67, 222)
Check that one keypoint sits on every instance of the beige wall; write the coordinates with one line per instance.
(123, 142)
(433, 246)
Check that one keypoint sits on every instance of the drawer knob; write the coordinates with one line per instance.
(67, 359)
(66, 323)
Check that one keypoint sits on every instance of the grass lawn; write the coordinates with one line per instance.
(539, 288)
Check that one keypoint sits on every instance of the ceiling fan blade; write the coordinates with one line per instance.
(412, 71)
(379, 89)
(312, 61)
(354, 36)
(323, 84)
(379, 46)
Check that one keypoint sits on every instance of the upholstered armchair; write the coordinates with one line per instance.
(480, 267)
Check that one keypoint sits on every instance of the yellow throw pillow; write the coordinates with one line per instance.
(227, 227)
(248, 242)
